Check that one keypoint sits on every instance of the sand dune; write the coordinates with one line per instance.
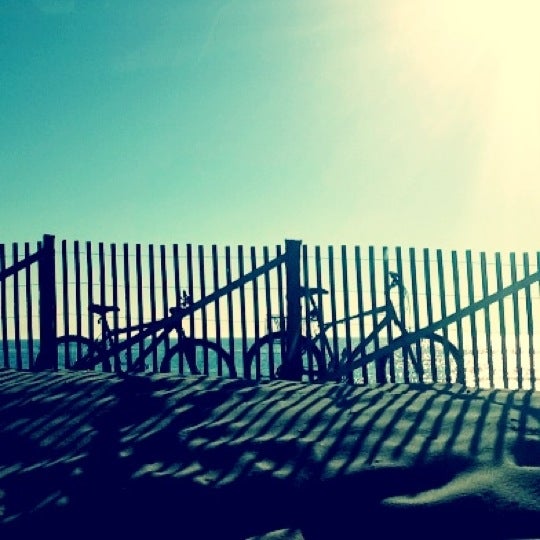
(87, 455)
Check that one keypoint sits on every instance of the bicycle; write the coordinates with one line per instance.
(82, 353)
(423, 354)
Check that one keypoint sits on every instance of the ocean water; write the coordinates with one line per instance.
(479, 370)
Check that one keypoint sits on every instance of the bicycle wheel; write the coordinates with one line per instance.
(197, 357)
(265, 358)
(77, 352)
(432, 358)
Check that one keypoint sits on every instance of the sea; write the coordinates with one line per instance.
(497, 368)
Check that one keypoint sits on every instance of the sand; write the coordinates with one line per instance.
(87, 455)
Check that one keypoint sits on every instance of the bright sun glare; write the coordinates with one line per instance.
(482, 55)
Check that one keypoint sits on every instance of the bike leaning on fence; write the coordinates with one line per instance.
(423, 356)
(110, 352)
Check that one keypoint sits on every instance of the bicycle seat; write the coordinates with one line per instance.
(99, 309)
(311, 291)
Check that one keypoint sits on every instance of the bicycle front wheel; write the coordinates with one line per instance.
(198, 357)
(76, 352)
(265, 358)
(433, 358)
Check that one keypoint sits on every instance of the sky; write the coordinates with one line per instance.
(246, 122)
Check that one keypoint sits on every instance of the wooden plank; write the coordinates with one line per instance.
(457, 299)
(360, 302)
(373, 288)
(153, 306)
(474, 332)
(47, 303)
(3, 307)
(332, 295)
(530, 322)
(230, 306)
(217, 310)
(242, 292)
(269, 314)
(102, 274)
(487, 319)
(517, 322)
(380, 375)
(20, 265)
(16, 310)
(255, 295)
(414, 293)
(164, 290)
(391, 363)
(29, 308)
(140, 297)
(346, 302)
(190, 286)
(502, 322)
(89, 290)
(429, 310)
(176, 273)
(177, 287)
(443, 309)
(127, 300)
(204, 318)
(65, 287)
(114, 284)
(402, 311)
(292, 363)
(281, 294)
(306, 303)
(78, 293)
(280, 302)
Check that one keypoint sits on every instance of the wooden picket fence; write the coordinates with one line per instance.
(484, 303)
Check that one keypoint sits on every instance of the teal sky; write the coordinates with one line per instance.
(373, 122)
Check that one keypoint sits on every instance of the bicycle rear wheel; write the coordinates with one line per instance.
(433, 358)
(198, 357)
(265, 357)
(78, 353)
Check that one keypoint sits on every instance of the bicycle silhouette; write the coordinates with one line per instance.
(112, 353)
(424, 356)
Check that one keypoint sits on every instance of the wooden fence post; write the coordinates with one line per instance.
(292, 368)
(47, 304)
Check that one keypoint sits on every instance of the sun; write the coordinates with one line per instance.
(476, 62)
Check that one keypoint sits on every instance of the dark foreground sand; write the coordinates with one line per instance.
(93, 455)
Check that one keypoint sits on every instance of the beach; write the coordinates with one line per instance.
(87, 455)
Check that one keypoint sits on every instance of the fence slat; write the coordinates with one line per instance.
(217, 309)
(127, 300)
(517, 325)
(140, 298)
(242, 292)
(472, 318)
(164, 289)
(65, 287)
(502, 322)
(530, 323)
(153, 307)
(89, 292)
(230, 308)
(29, 308)
(16, 310)
(360, 302)
(487, 319)
(204, 319)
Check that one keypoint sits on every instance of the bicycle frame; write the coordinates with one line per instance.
(110, 347)
(339, 360)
